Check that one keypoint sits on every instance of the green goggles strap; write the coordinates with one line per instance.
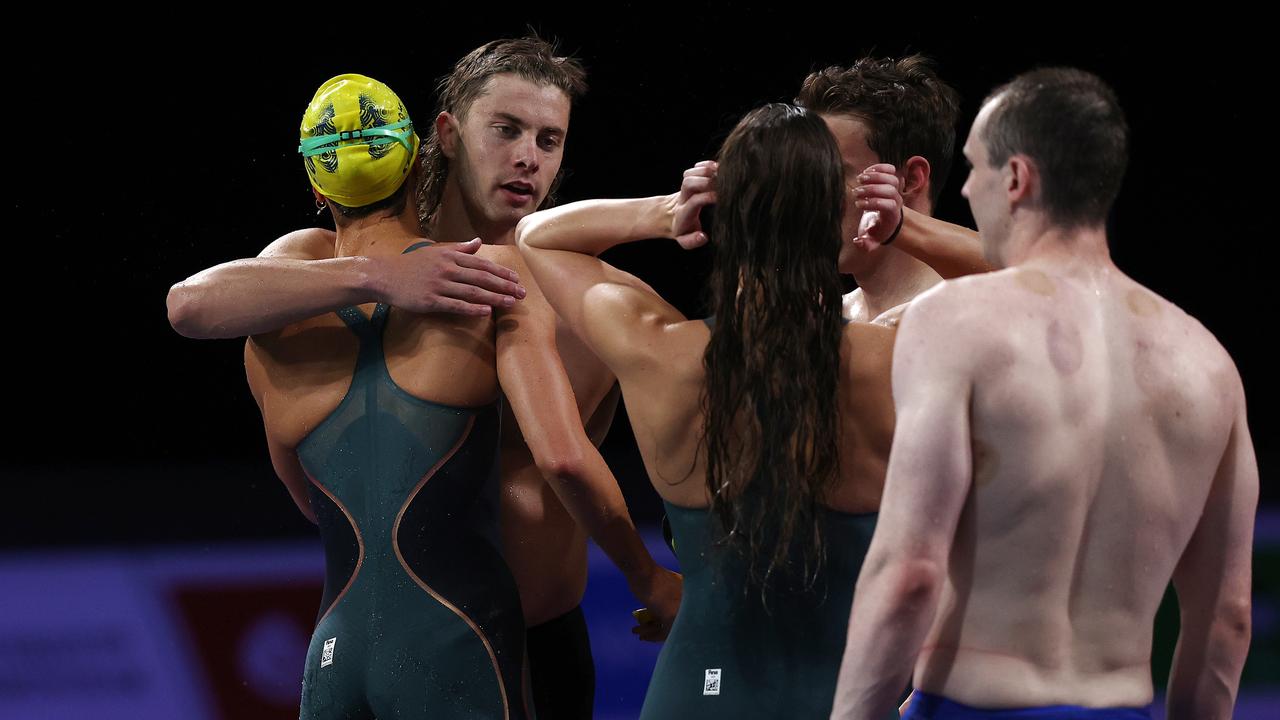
(369, 136)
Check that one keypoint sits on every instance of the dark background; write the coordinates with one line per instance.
(141, 157)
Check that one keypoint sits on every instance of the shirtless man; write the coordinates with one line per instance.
(897, 112)
(492, 158)
(1067, 442)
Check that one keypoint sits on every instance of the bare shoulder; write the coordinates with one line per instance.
(1187, 332)
(499, 253)
(851, 304)
(957, 308)
(508, 256)
(305, 244)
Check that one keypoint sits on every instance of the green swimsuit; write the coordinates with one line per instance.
(420, 616)
(726, 657)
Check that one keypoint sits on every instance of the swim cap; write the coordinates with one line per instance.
(358, 142)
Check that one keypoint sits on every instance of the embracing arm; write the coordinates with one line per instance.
(928, 477)
(296, 277)
(1213, 585)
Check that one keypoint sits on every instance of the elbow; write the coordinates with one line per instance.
(522, 231)
(911, 583)
(1233, 621)
(190, 313)
(525, 231)
(184, 312)
(561, 465)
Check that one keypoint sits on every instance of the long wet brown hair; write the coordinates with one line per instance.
(771, 421)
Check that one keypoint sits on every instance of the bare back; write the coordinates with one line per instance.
(300, 374)
(1098, 415)
(663, 385)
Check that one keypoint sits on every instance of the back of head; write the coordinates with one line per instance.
(530, 58)
(1070, 124)
(907, 108)
(357, 143)
(771, 408)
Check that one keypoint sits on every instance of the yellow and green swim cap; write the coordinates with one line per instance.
(358, 142)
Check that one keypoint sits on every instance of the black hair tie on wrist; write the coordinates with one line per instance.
(901, 216)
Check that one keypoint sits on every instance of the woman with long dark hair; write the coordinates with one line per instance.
(765, 429)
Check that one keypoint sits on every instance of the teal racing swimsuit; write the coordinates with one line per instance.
(420, 616)
(727, 657)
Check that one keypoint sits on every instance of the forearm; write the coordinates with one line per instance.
(588, 490)
(248, 297)
(1206, 670)
(951, 250)
(592, 226)
(893, 608)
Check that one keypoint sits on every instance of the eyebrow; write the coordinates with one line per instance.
(519, 122)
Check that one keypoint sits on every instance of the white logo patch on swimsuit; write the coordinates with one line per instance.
(711, 684)
(326, 655)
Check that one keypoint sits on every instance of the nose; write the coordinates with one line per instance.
(526, 153)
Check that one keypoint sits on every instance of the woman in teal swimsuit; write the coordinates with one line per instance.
(765, 432)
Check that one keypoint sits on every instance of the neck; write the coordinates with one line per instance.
(455, 221)
(1033, 242)
(378, 234)
(895, 280)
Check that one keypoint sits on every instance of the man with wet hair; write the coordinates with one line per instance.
(492, 157)
(883, 110)
(1067, 443)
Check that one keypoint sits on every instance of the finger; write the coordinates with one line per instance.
(877, 190)
(487, 281)
(706, 168)
(488, 266)
(689, 207)
(694, 184)
(692, 240)
(476, 296)
(457, 307)
(866, 242)
(701, 200)
(882, 204)
(687, 211)
(878, 178)
(469, 246)
(887, 168)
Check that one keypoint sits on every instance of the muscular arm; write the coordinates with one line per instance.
(951, 250)
(296, 277)
(925, 489)
(560, 245)
(1213, 585)
(542, 400)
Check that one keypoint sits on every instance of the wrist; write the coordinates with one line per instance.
(902, 216)
(366, 279)
(663, 216)
(644, 578)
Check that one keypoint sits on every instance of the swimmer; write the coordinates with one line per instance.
(492, 156)
(761, 429)
(1067, 443)
(899, 112)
